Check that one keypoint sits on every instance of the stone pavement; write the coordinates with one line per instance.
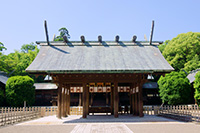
(102, 124)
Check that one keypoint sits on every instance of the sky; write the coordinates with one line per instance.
(22, 21)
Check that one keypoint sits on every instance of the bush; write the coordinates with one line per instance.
(197, 88)
(20, 89)
(1, 97)
(175, 88)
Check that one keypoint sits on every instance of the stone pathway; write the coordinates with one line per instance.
(101, 128)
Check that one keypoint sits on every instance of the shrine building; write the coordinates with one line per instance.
(102, 75)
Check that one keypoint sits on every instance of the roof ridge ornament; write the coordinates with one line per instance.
(82, 39)
(100, 39)
(134, 38)
(117, 38)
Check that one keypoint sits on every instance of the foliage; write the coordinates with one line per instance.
(26, 47)
(183, 51)
(16, 63)
(2, 47)
(175, 88)
(1, 97)
(197, 88)
(162, 47)
(63, 32)
(20, 89)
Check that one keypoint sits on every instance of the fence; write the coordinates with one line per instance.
(180, 112)
(10, 115)
(15, 115)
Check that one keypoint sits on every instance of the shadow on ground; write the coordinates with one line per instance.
(120, 119)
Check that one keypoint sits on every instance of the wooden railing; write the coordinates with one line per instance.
(179, 112)
(11, 115)
(49, 110)
(76, 110)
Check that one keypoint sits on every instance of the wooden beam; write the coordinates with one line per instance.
(151, 36)
(59, 101)
(46, 32)
(116, 99)
(84, 100)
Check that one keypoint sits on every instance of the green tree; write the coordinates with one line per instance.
(175, 88)
(20, 89)
(2, 47)
(1, 97)
(197, 88)
(162, 47)
(16, 63)
(63, 32)
(26, 47)
(182, 49)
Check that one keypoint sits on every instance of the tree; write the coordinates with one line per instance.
(1, 97)
(2, 47)
(20, 89)
(63, 32)
(197, 88)
(16, 63)
(182, 49)
(26, 47)
(175, 88)
(162, 47)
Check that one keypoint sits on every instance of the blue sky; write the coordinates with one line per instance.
(22, 21)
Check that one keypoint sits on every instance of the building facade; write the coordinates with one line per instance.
(103, 75)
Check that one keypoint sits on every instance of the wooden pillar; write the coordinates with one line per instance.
(88, 99)
(136, 104)
(116, 99)
(68, 99)
(84, 100)
(112, 99)
(59, 101)
(140, 97)
(133, 104)
(65, 103)
(79, 99)
(107, 99)
(91, 102)
(130, 99)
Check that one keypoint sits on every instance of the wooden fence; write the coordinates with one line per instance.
(11, 115)
(76, 110)
(179, 112)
